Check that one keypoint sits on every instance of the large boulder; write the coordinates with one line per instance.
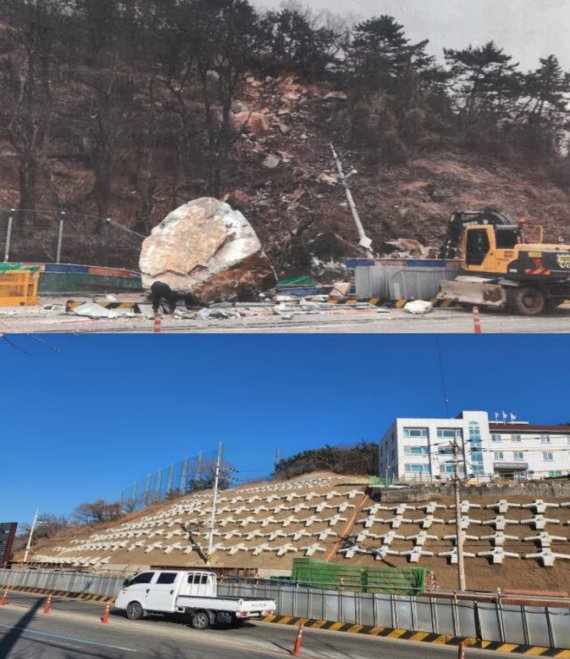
(208, 249)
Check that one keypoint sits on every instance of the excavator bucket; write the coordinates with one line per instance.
(473, 290)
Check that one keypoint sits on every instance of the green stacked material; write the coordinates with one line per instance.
(296, 281)
(4, 267)
(399, 581)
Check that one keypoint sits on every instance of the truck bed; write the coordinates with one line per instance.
(246, 604)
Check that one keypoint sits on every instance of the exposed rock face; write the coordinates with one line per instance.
(208, 249)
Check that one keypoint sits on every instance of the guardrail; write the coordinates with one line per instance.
(485, 618)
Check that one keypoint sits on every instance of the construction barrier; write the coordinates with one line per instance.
(18, 287)
(492, 624)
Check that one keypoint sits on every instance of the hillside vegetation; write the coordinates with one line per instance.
(128, 109)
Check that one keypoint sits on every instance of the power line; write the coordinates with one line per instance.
(442, 375)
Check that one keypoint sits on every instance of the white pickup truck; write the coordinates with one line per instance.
(193, 593)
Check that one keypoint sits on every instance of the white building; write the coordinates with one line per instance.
(422, 449)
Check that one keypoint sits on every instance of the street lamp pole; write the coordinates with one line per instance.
(458, 524)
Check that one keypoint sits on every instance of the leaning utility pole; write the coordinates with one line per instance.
(29, 543)
(459, 530)
(365, 241)
(214, 501)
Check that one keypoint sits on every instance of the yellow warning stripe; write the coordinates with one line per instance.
(424, 637)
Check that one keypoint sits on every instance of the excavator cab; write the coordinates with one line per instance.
(477, 245)
(486, 245)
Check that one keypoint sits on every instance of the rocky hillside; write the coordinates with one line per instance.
(287, 184)
(283, 179)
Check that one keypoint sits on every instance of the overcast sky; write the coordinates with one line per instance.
(526, 29)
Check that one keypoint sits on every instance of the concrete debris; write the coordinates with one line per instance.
(327, 179)
(406, 248)
(335, 96)
(271, 161)
(418, 307)
(340, 289)
(94, 310)
(209, 250)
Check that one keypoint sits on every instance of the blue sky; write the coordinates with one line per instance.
(86, 420)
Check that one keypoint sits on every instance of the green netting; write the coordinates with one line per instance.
(16, 266)
(401, 581)
(296, 281)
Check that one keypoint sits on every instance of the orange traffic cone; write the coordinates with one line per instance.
(47, 605)
(461, 651)
(476, 321)
(4, 598)
(296, 651)
(105, 618)
(157, 320)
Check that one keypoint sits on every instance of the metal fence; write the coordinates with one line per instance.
(53, 236)
(547, 626)
(177, 479)
(74, 582)
(395, 279)
(489, 620)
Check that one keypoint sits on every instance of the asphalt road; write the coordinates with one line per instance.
(337, 319)
(73, 629)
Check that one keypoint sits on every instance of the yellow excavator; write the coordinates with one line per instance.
(500, 269)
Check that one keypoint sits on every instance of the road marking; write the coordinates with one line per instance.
(68, 638)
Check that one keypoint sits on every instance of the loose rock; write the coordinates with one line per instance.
(208, 249)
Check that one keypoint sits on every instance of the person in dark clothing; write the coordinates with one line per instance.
(159, 292)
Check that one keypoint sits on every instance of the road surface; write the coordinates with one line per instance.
(73, 629)
(50, 317)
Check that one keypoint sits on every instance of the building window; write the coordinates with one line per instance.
(417, 468)
(498, 455)
(518, 455)
(495, 437)
(548, 457)
(516, 438)
(416, 450)
(474, 430)
(445, 450)
(450, 469)
(415, 432)
(478, 469)
(544, 439)
(449, 433)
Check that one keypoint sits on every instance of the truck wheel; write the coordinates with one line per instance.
(200, 620)
(134, 611)
(528, 300)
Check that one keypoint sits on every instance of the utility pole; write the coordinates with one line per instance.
(29, 543)
(459, 530)
(214, 501)
(365, 241)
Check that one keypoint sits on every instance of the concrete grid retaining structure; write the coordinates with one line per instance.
(489, 624)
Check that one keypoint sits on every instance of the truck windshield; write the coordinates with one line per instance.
(143, 577)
